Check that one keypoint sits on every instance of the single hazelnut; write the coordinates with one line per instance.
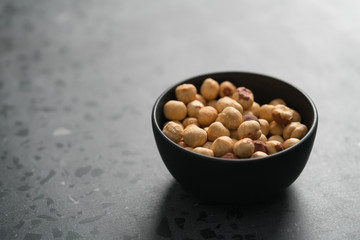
(217, 129)
(277, 101)
(229, 156)
(244, 148)
(173, 131)
(259, 154)
(290, 142)
(274, 146)
(248, 112)
(212, 103)
(276, 138)
(282, 114)
(260, 146)
(247, 117)
(200, 98)
(186, 92)
(222, 145)
(265, 112)
(295, 130)
(228, 102)
(182, 144)
(194, 136)
(207, 115)
(193, 108)
(190, 120)
(249, 129)
(244, 96)
(207, 144)
(255, 109)
(175, 110)
(230, 118)
(227, 89)
(264, 126)
(204, 151)
(276, 128)
(296, 116)
(262, 138)
(175, 121)
(209, 89)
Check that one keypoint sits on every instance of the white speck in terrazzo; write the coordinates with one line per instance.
(72, 199)
(61, 132)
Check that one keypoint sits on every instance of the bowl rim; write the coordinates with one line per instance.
(311, 129)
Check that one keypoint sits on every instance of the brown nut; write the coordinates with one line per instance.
(193, 108)
(204, 151)
(274, 146)
(194, 136)
(249, 129)
(244, 96)
(222, 145)
(209, 89)
(227, 89)
(275, 128)
(265, 112)
(262, 138)
(217, 129)
(230, 118)
(247, 117)
(185, 92)
(294, 130)
(248, 112)
(229, 156)
(290, 142)
(212, 103)
(264, 126)
(190, 120)
(276, 138)
(296, 116)
(175, 121)
(277, 101)
(200, 98)
(173, 131)
(244, 148)
(175, 110)
(234, 134)
(207, 145)
(260, 146)
(228, 102)
(282, 114)
(182, 144)
(207, 115)
(259, 154)
(255, 109)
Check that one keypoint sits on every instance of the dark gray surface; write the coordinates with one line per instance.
(77, 84)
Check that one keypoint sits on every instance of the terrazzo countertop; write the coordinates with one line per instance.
(78, 80)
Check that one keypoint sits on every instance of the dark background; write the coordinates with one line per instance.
(77, 83)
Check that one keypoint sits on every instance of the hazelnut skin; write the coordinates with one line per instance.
(260, 146)
(227, 89)
(274, 146)
(275, 128)
(244, 96)
(204, 151)
(217, 129)
(185, 92)
(247, 117)
(229, 156)
(259, 154)
(207, 115)
(175, 110)
(265, 112)
(228, 102)
(193, 108)
(295, 130)
(290, 142)
(230, 118)
(173, 131)
(194, 136)
(209, 89)
(244, 148)
(222, 145)
(282, 114)
(249, 129)
(264, 126)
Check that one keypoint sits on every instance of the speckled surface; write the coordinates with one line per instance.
(77, 83)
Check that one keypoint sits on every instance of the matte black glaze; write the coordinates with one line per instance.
(244, 179)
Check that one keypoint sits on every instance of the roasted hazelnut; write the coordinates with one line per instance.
(182, 144)
(264, 126)
(207, 144)
(229, 156)
(209, 89)
(194, 136)
(175, 121)
(290, 142)
(204, 151)
(200, 98)
(249, 129)
(277, 101)
(282, 114)
(207, 115)
(228, 102)
(276, 138)
(247, 117)
(260, 146)
(175, 110)
(265, 112)
(186, 92)
(222, 145)
(217, 129)
(234, 133)
(296, 116)
(206, 129)
(190, 120)
(275, 128)
(294, 130)
(193, 108)
(262, 138)
(259, 154)
(173, 131)
(244, 96)
(227, 89)
(255, 109)
(230, 118)
(274, 146)
(244, 148)
(248, 112)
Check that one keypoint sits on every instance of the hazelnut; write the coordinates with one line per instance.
(259, 154)
(228, 102)
(262, 138)
(244, 148)
(173, 131)
(222, 145)
(175, 110)
(229, 156)
(296, 116)
(282, 114)
(193, 108)
(274, 146)
(249, 129)
(260, 146)
(182, 144)
(207, 144)
(234, 133)
(204, 151)
(209, 89)
(277, 101)
(212, 103)
(186, 92)
(265, 112)
(230, 118)
(295, 130)
(244, 96)
(275, 128)
(190, 120)
(194, 136)
(247, 117)
(227, 89)
(248, 112)
(217, 129)
(200, 98)
(175, 121)
(206, 129)
(264, 126)
(290, 142)
(207, 115)
(276, 138)
(189, 148)
(255, 109)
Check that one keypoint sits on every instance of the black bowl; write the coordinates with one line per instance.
(243, 180)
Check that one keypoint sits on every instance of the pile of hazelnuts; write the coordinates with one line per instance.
(225, 121)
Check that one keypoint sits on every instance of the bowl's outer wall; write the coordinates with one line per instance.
(220, 179)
